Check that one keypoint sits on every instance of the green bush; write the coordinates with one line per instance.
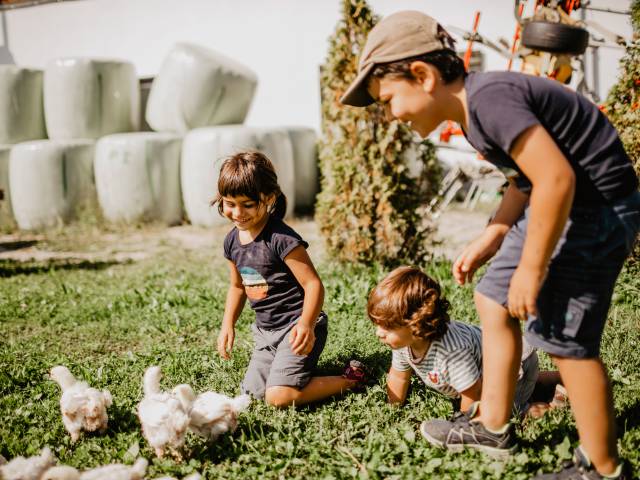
(369, 208)
(623, 102)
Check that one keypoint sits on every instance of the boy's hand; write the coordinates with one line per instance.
(523, 292)
(302, 338)
(225, 341)
(477, 253)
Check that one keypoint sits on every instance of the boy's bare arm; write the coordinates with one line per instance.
(398, 385)
(553, 186)
(486, 245)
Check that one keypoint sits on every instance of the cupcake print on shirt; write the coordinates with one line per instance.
(255, 286)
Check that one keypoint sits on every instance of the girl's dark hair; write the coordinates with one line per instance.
(408, 297)
(250, 174)
(447, 61)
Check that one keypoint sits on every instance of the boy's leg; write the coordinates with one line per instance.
(501, 353)
(592, 406)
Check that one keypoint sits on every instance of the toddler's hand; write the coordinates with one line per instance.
(523, 292)
(225, 341)
(302, 338)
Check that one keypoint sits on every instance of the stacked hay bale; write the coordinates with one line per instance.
(95, 154)
(21, 119)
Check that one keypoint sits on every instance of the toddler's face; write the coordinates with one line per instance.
(396, 337)
(244, 212)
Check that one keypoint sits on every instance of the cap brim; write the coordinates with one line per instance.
(357, 94)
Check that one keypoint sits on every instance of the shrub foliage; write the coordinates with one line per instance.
(623, 102)
(370, 205)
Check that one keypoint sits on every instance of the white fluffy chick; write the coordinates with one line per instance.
(213, 414)
(82, 407)
(117, 471)
(164, 416)
(30, 468)
(61, 472)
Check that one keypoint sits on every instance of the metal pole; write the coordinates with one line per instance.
(28, 3)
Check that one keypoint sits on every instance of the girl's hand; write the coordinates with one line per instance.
(477, 253)
(302, 338)
(225, 341)
(523, 292)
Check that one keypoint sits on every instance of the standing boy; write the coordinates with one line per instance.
(561, 234)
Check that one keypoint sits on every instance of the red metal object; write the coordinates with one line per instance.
(451, 128)
(516, 36)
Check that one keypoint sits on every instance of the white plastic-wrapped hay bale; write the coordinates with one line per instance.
(198, 87)
(21, 107)
(204, 150)
(89, 98)
(137, 177)
(305, 166)
(51, 181)
(6, 212)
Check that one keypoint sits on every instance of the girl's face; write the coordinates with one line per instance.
(409, 101)
(244, 212)
(396, 338)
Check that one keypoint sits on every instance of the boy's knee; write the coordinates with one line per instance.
(281, 397)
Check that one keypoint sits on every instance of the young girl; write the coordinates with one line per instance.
(411, 317)
(268, 264)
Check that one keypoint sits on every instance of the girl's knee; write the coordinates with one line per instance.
(281, 397)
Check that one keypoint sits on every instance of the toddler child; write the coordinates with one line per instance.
(411, 317)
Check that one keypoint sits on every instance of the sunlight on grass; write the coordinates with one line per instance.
(108, 323)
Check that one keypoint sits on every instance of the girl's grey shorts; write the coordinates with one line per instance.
(273, 363)
(576, 293)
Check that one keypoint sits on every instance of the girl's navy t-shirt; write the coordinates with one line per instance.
(502, 105)
(273, 291)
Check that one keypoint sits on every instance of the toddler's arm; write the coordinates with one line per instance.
(234, 304)
(470, 395)
(398, 385)
(302, 337)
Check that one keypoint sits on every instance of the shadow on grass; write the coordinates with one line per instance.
(10, 268)
(17, 245)
(228, 447)
(629, 417)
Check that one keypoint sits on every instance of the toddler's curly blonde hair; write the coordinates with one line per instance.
(408, 297)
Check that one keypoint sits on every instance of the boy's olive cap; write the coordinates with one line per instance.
(400, 35)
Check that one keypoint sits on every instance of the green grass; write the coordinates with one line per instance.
(109, 321)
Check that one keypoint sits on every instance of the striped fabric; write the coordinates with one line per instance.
(453, 363)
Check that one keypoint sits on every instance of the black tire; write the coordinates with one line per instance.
(555, 37)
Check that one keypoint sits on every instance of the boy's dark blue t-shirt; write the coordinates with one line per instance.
(502, 105)
(274, 293)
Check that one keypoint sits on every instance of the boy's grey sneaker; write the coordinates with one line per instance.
(461, 432)
(581, 469)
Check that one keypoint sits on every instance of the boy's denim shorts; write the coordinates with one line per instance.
(273, 363)
(576, 293)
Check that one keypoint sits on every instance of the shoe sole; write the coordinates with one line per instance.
(493, 452)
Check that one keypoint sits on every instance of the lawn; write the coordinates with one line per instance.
(109, 321)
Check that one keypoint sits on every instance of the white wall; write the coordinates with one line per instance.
(283, 41)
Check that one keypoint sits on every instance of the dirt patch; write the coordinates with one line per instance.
(455, 228)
